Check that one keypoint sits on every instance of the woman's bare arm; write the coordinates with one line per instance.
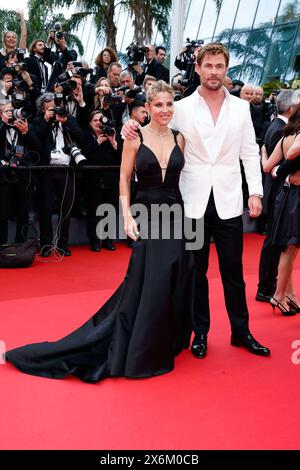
(127, 167)
(23, 37)
(269, 163)
(294, 150)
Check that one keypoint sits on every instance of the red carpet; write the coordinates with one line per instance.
(230, 400)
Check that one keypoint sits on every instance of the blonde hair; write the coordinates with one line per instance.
(158, 87)
(5, 33)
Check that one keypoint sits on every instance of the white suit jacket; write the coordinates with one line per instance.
(218, 169)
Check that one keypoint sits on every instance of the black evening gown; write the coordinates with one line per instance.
(285, 228)
(148, 320)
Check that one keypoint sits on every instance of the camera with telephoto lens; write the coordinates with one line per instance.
(75, 152)
(178, 95)
(136, 53)
(113, 99)
(22, 108)
(191, 46)
(21, 85)
(59, 99)
(58, 31)
(67, 86)
(60, 111)
(131, 93)
(107, 126)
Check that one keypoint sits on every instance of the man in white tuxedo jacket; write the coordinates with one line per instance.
(218, 133)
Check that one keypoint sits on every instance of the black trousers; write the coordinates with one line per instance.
(95, 194)
(55, 190)
(228, 238)
(13, 202)
(270, 254)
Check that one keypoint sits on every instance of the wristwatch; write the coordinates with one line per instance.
(257, 195)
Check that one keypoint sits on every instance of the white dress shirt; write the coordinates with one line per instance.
(213, 153)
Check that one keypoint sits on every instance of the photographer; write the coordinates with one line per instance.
(60, 57)
(16, 139)
(150, 67)
(130, 94)
(36, 63)
(185, 61)
(100, 148)
(23, 82)
(59, 134)
(10, 39)
(160, 55)
(73, 99)
(269, 108)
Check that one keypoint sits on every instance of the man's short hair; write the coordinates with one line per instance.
(213, 48)
(285, 100)
(160, 47)
(137, 104)
(6, 71)
(114, 64)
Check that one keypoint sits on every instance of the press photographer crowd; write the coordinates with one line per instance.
(57, 112)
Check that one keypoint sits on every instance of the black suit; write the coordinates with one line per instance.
(14, 185)
(55, 186)
(100, 186)
(270, 255)
(155, 69)
(36, 67)
(60, 60)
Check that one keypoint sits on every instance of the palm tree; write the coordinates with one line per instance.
(101, 12)
(259, 55)
(40, 20)
(147, 13)
(9, 21)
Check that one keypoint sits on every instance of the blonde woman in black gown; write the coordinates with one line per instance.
(147, 321)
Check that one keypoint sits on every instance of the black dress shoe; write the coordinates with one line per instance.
(260, 297)
(199, 346)
(65, 251)
(251, 344)
(108, 244)
(95, 246)
(45, 252)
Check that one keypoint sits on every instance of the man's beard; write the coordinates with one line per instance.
(212, 87)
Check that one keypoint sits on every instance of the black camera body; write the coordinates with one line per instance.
(192, 45)
(60, 111)
(22, 108)
(67, 86)
(136, 53)
(132, 93)
(113, 99)
(107, 126)
(59, 35)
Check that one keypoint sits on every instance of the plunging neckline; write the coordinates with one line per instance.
(157, 161)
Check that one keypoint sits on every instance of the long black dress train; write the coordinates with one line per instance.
(147, 321)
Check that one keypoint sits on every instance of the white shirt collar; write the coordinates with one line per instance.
(283, 118)
(226, 92)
